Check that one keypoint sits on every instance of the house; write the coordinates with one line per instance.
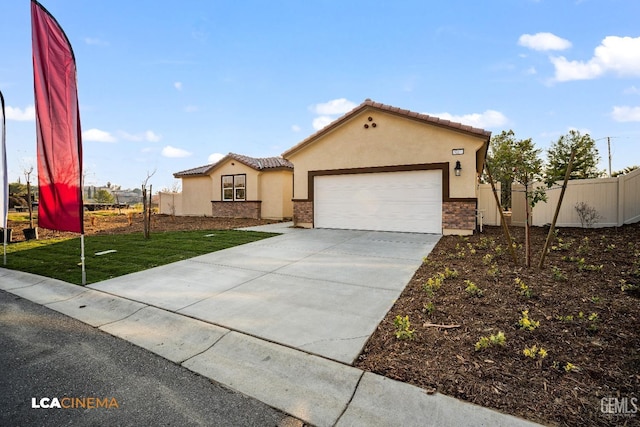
(380, 167)
(239, 186)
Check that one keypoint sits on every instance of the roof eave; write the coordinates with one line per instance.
(422, 118)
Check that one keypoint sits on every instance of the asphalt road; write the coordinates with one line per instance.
(44, 354)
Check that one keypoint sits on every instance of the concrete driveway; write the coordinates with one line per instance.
(320, 291)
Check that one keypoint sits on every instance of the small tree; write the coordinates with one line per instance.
(502, 157)
(103, 196)
(584, 164)
(146, 205)
(624, 171)
(27, 174)
(17, 189)
(527, 170)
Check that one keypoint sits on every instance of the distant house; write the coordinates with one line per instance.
(238, 186)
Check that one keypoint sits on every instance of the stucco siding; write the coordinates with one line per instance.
(196, 196)
(275, 193)
(393, 141)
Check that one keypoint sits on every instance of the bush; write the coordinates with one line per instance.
(17, 201)
(588, 214)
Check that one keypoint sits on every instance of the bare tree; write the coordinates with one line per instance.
(146, 205)
(32, 232)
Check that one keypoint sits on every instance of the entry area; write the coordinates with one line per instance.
(407, 201)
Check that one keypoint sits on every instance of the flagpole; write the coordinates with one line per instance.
(84, 273)
(5, 182)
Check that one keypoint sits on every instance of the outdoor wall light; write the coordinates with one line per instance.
(458, 168)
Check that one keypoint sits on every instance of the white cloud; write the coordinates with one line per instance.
(178, 85)
(620, 55)
(329, 111)
(148, 136)
(296, 128)
(333, 107)
(173, 152)
(626, 114)
(632, 91)
(543, 42)
(321, 122)
(20, 115)
(98, 135)
(95, 42)
(487, 119)
(151, 136)
(215, 157)
(575, 70)
(191, 108)
(531, 71)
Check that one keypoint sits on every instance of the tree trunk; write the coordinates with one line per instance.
(527, 228)
(145, 229)
(30, 204)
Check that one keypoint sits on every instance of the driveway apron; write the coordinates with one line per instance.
(320, 291)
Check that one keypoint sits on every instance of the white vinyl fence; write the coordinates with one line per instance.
(616, 201)
(487, 206)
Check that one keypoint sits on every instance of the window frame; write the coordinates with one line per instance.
(238, 184)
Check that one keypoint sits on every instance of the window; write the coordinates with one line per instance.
(233, 187)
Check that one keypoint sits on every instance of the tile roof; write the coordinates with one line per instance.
(368, 103)
(259, 164)
(262, 163)
(200, 170)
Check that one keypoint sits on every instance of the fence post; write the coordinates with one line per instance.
(620, 208)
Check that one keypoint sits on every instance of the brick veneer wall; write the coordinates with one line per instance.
(459, 215)
(302, 212)
(236, 209)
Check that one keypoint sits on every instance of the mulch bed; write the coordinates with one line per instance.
(588, 326)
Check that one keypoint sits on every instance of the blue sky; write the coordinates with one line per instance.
(166, 85)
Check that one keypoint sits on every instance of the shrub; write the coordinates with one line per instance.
(403, 326)
(525, 291)
(588, 215)
(450, 274)
(535, 352)
(491, 341)
(558, 275)
(526, 323)
(472, 289)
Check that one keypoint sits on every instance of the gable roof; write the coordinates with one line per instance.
(257, 163)
(368, 103)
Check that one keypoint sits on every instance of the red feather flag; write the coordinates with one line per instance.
(57, 125)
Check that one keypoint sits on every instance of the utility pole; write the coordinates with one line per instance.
(609, 148)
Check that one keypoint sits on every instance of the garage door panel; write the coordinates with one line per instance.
(388, 201)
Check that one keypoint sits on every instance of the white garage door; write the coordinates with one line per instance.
(386, 201)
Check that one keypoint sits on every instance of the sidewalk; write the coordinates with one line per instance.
(316, 390)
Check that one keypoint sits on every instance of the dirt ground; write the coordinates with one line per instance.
(585, 299)
(588, 327)
(111, 223)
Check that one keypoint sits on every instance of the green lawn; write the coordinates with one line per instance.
(60, 258)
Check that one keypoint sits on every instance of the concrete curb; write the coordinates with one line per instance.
(96, 308)
(308, 387)
(166, 334)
